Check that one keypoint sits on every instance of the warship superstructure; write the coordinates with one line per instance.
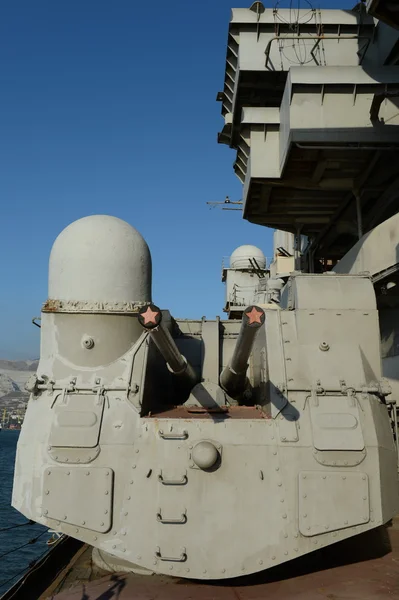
(211, 449)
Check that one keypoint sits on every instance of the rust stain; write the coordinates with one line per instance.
(52, 305)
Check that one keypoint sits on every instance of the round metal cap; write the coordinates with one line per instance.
(205, 455)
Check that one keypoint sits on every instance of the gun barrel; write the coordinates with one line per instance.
(234, 376)
(150, 317)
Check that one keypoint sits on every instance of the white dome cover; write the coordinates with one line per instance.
(100, 259)
(241, 255)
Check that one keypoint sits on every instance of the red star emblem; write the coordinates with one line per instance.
(254, 316)
(150, 316)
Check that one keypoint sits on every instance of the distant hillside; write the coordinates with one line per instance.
(7, 385)
(14, 374)
(18, 365)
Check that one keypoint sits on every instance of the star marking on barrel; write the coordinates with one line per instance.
(150, 316)
(254, 316)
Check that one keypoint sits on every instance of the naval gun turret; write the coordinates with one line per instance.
(211, 449)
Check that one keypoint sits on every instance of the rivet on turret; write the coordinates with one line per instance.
(284, 516)
(105, 512)
(65, 518)
(277, 468)
(126, 514)
(204, 571)
(47, 492)
(286, 552)
(279, 484)
(295, 549)
(114, 546)
(273, 558)
(260, 562)
(131, 481)
(83, 522)
(106, 492)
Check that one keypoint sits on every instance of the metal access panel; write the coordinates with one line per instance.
(330, 501)
(76, 421)
(80, 496)
(336, 423)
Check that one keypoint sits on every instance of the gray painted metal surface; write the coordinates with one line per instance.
(208, 480)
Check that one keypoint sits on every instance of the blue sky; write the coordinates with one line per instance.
(108, 107)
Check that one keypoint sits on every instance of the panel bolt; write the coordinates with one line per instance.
(47, 492)
(102, 523)
(65, 518)
(114, 546)
(126, 514)
(95, 538)
(105, 512)
(284, 516)
(295, 549)
(305, 515)
(106, 492)
(87, 472)
(286, 552)
(273, 558)
(45, 512)
(83, 522)
(170, 568)
(260, 562)
(137, 450)
(129, 497)
(277, 468)
(279, 484)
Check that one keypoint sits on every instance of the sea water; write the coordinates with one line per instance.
(14, 564)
